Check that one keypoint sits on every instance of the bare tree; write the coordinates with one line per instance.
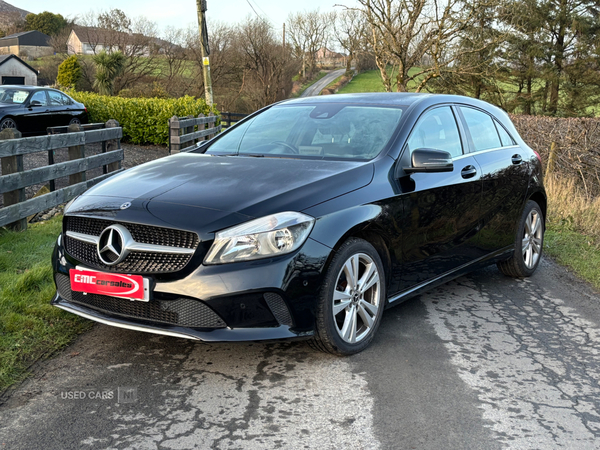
(267, 66)
(405, 33)
(308, 32)
(173, 54)
(349, 30)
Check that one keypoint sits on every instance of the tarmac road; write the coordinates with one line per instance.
(484, 362)
(316, 88)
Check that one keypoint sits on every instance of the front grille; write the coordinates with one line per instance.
(183, 312)
(140, 233)
(136, 262)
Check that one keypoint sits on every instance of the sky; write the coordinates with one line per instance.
(182, 13)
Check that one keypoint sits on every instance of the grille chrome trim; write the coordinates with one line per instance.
(152, 248)
(134, 246)
(87, 238)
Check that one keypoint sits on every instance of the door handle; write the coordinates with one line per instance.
(468, 172)
(517, 159)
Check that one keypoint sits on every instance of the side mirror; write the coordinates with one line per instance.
(430, 160)
(35, 103)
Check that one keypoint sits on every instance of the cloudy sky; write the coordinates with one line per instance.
(181, 13)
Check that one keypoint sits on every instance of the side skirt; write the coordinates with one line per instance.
(484, 261)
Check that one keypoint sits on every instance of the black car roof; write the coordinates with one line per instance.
(391, 98)
(387, 98)
(23, 88)
(401, 99)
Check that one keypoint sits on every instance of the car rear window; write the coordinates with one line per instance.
(318, 131)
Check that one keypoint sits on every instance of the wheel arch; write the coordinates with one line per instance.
(541, 200)
(8, 116)
(361, 222)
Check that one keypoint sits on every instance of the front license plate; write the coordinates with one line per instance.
(132, 287)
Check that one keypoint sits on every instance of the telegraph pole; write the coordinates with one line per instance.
(205, 51)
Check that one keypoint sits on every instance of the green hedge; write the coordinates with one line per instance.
(144, 120)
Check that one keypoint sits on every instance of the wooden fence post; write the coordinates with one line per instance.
(225, 119)
(189, 130)
(113, 144)
(211, 125)
(201, 126)
(551, 160)
(173, 131)
(13, 164)
(76, 152)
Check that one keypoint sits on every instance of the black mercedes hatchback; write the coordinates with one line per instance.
(305, 220)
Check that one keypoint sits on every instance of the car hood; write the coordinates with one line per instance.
(220, 186)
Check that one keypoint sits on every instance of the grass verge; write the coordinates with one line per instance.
(333, 83)
(573, 228)
(30, 328)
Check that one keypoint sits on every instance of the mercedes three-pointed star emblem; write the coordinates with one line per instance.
(113, 244)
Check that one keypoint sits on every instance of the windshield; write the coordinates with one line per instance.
(332, 130)
(12, 96)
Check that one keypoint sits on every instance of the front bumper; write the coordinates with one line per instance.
(259, 300)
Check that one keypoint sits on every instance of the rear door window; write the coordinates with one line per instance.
(482, 129)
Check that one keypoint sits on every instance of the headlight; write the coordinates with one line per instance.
(268, 236)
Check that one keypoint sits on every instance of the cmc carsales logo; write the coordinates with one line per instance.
(120, 285)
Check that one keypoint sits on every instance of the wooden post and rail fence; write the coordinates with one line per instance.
(15, 179)
(185, 132)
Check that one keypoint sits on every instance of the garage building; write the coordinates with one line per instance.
(33, 44)
(13, 70)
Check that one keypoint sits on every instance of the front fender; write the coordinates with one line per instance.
(332, 229)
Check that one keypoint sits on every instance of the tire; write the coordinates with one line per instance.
(529, 243)
(8, 123)
(348, 330)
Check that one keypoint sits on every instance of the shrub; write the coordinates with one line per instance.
(69, 72)
(144, 120)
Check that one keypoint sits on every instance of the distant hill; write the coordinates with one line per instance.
(10, 14)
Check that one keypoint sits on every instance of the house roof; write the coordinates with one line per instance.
(102, 36)
(34, 38)
(5, 58)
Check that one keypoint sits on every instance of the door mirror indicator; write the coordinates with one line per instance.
(430, 160)
(35, 103)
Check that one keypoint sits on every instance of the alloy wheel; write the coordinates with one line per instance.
(8, 123)
(357, 298)
(532, 239)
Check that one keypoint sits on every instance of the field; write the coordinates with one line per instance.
(370, 81)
